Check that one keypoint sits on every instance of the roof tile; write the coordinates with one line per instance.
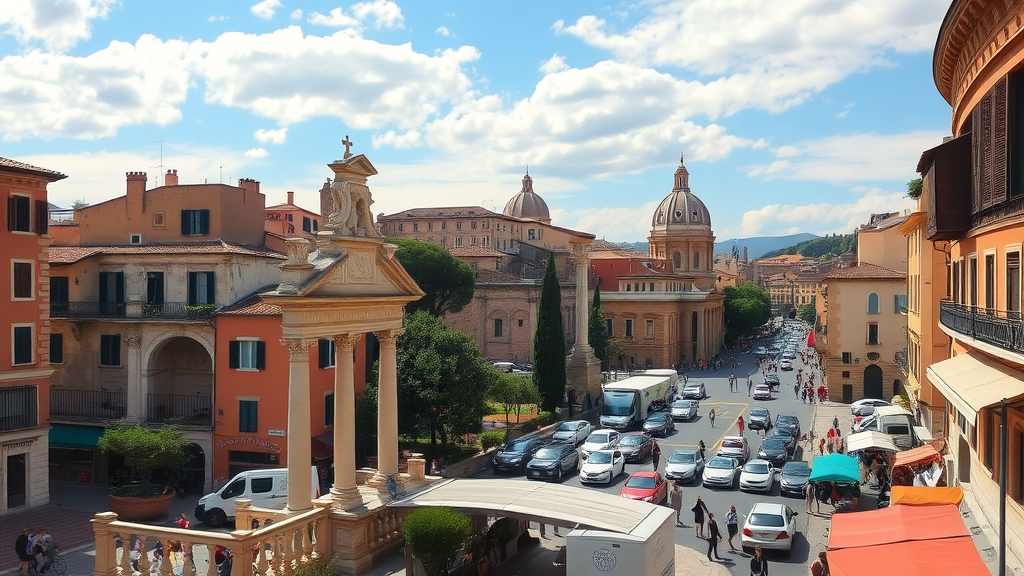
(72, 254)
(865, 270)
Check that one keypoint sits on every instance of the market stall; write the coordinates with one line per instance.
(927, 495)
(918, 467)
(870, 440)
(836, 479)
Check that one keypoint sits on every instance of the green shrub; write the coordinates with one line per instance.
(322, 566)
(435, 535)
(492, 438)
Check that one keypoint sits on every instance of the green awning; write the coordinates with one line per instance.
(71, 436)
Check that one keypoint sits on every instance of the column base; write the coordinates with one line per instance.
(583, 372)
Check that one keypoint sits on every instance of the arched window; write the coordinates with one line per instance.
(696, 260)
(677, 260)
(873, 303)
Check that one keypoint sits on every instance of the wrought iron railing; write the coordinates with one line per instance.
(19, 407)
(901, 361)
(178, 311)
(87, 405)
(183, 409)
(87, 309)
(996, 327)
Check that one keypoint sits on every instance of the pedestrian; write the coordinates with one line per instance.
(758, 564)
(183, 522)
(656, 454)
(675, 500)
(750, 386)
(711, 416)
(821, 447)
(809, 495)
(732, 523)
(700, 448)
(21, 548)
(698, 517)
(38, 547)
(796, 390)
(835, 422)
(740, 423)
(713, 537)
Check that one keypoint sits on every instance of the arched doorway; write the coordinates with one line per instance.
(873, 382)
(180, 384)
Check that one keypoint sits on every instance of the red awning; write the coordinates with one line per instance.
(895, 524)
(810, 339)
(922, 455)
(945, 557)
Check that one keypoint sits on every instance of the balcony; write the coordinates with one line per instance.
(87, 310)
(87, 405)
(19, 407)
(901, 361)
(178, 311)
(99, 310)
(996, 327)
(179, 409)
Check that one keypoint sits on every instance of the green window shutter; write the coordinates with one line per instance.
(234, 351)
(56, 348)
(119, 279)
(104, 280)
(248, 416)
(211, 294)
(192, 287)
(185, 218)
(324, 348)
(204, 222)
(261, 355)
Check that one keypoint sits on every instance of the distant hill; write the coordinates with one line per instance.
(826, 246)
(758, 246)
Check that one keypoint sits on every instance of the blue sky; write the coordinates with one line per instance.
(796, 116)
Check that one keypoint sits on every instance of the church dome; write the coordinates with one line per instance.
(527, 204)
(681, 210)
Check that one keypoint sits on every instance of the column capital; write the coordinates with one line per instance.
(133, 336)
(580, 252)
(297, 347)
(389, 337)
(346, 342)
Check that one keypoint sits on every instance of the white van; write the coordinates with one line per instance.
(266, 488)
(898, 423)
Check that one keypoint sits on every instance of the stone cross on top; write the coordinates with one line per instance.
(348, 144)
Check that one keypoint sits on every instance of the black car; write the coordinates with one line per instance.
(512, 459)
(759, 419)
(774, 450)
(794, 477)
(772, 380)
(783, 435)
(552, 461)
(636, 446)
(659, 424)
(789, 423)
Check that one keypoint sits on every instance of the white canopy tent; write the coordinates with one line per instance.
(870, 440)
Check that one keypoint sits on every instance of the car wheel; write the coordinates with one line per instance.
(216, 518)
(558, 472)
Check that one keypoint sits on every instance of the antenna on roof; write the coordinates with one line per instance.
(527, 169)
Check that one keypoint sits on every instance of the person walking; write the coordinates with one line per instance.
(835, 422)
(750, 385)
(656, 454)
(21, 548)
(675, 501)
(700, 448)
(713, 537)
(758, 564)
(698, 517)
(732, 524)
(820, 566)
(711, 416)
(183, 522)
(809, 495)
(739, 422)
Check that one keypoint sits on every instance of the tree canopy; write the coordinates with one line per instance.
(808, 312)
(447, 281)
(512, 392)
(549, 341)
(821, 248)
(434, 535)
(145, 449)
(598, 330)
(915, 187)
(747, 308)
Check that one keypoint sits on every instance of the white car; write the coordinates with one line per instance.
(867, 406)
(770, 526)
(599, 440)
(720, 472)
(760, 351)
(684, 466)
(575, 431)
(603, 466)
(695, 390)
(757, 475)
(684, 409)
(786, 365)
(762, 392)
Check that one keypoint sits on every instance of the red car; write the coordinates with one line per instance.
(647, 486)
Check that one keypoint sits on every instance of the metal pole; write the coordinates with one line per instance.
(1002, 488)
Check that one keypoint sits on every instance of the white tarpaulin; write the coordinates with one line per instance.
(870, 440)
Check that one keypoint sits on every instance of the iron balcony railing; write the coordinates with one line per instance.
(163, 311)
(87, 405)
(179, 409)
(996, 327)
(19, 407)
(901, 361)
(178, 311)
(87, 310)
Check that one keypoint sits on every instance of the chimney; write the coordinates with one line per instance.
(291, 198)
(171, 178)
(136, 193)
(249, 185)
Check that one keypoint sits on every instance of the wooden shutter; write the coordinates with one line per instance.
(42, 217)
(192, 288)
(119, 278)
(1000, 144)
(104, 280)
(185, 218)
(234, 351)
(204, 222)
(12, 213)
(990, 148)
(261, 355)
(56, 348)
(324, 350)
(211, 293)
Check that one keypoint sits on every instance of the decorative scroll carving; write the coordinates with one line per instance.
(388, 337)
(352, 216)
(346, 342)
(298, 348)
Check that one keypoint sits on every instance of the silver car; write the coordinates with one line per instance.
(684, 466)
(721, 472)
(695, 390)
(684, 409)
(574, 431)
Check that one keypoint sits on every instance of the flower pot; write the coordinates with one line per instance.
(137, 509)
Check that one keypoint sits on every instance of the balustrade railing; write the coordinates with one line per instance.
(1001, 328)
(19, 407)
(87, 405)
(87, 309)
(179, 409)
(178, 311)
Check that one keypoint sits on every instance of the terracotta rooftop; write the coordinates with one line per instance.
(495, 277)
(443, 212)
(252, 305)
(866, 271)
(468, 251)
(286, 206)
(8, 164)
(72, 254)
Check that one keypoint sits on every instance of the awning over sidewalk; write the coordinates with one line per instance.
(921, 455)
(926, 495)
(972, 381)
(835, 468)
(870, 440)
(895, 524)
(71, 436)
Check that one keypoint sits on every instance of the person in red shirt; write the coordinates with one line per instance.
(183, 522)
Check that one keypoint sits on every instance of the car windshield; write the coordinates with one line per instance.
(796, 469)
(720, 463)
(617, 404)
(685, 404)
(517, 446)
(772, 520)
(756, 468)
(773, 444)
(600, 458)
(630, 441)
(758, 413)
(656, 418)
(566, 427)
(598, 438)
(732, 444)
(692, 387)
(548, 453)
(682, 458)
(640, 482)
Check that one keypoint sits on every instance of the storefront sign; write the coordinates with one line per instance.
(259, 442)
(275, 433)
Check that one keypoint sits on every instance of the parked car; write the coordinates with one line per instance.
(786, 365)
(599, 440)
(789, 355)
(770, 526)
(865, 423)
(785, 436)
(574, 431)
(735, 447)
(774, 450)
(790, 423)
(759, 419)
(602, 466)
(552, 461)
(695, 390)
(867, 406)
(659, 424)
(647, 486)
(636, 446)
(774, 350)
(720, 472)
(772, 380)
(760, 351)
(794, 477)
(757, 475)
(684, 466)
(685, 409)
(762, 392)
(513, 458)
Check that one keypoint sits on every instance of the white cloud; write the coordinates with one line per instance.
(392, 139)
(443, 31)
(849, 158)
(615, 224)
(823, 218)
(256, 153)
(220, 18)
(296, 14)
(57, 24)
(265, 10)
(272, 136)
(554, 64)
(385, 14)
(337, 18)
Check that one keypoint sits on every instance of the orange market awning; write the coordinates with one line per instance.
(926, 495)
(921, 455)
(945, 557)
(895, 524)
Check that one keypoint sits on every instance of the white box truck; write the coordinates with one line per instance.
(647, 550)
(625, 403)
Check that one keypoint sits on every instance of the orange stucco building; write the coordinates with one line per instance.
(289, 220)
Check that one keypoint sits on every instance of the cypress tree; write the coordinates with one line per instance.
(549, 341)
(598, 330)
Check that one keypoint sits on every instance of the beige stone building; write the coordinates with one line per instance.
(791, 290)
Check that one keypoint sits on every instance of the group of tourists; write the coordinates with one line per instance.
(37, 549)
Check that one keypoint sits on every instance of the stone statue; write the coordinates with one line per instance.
(351, 216)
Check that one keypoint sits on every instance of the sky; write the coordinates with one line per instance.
(795, 116)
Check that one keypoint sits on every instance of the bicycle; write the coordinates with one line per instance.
(57, 566)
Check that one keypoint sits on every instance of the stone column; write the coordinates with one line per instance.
(581, 255)
(136, 409)
(387, 403)
(344, 418)
(300, 457)
(583, 369)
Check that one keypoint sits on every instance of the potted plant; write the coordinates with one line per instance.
(144, 450)
(435, 535)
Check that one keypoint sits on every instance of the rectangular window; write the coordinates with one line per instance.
(990, 281)
(289, 217)
(498, 327)
(1012, 285)
(649, 329)
(444, 225)
(521, 323)
(901, 303)
(195, 222)
(21, 280)
(155, 288)
(56, 348)
(415, 226)
(458, 225)
(325, 351)
(629, 328)
(472, 225)
(58, 290)
(401, 227)
(135, 238)
(444, 241)
(531, 234)
(21, 352)
(847, 358)
(247, 416)
(609, 324)
(110, 350)
(872, 333)
(307, 225)
(111, 293)
(19, 213)
(316, 225)
(458, 242)
(253, 357)
(472, 241)
(846, 373)
(329, 409)
(430, 226)
(200, 288)
(158, 220)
